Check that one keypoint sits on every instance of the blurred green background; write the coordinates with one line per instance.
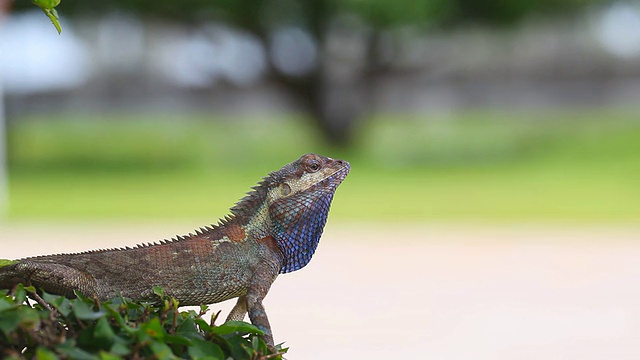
(512, 111)
(569, 166)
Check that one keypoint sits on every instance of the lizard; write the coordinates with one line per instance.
(274, 229)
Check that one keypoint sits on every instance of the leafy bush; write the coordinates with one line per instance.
(50, 327)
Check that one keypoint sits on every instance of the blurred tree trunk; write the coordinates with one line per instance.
(334, 108)
(334, 103)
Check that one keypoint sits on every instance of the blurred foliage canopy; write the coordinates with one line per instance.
(254, 14)
(335, 104)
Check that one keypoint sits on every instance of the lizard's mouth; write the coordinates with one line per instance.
(336, 177)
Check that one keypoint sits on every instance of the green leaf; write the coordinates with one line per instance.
(121, 348)
(161, 350)
(74, 353)
(204, 326)
(177, 340)
(159, 291)
(61, 303)
(113, 310)
(44, 354)
(5, 303)
(20, 294)
(6, 262)
(152, 329)
(28, 317)
(85, 338)
(80, 296)
(48, 6)
(103, 334)
(282, 349)
(258, 344)
(237, 326)
(23, 316)
(188, 329)
(134, 309)
(201, 349)
(51, 298)
(84, 311)
(109, 356)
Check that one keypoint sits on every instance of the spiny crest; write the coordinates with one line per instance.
(243, 209)
(206, 229)
(247, 206)
(203, 231)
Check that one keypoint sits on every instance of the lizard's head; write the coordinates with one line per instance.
(298, 200)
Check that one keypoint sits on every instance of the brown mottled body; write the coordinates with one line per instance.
(209, 278)
(240, 257)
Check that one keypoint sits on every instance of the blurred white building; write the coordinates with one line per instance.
(118, 61)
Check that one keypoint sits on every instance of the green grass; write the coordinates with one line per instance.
(571, 166)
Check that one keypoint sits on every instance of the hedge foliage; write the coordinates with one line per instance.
(42, 326)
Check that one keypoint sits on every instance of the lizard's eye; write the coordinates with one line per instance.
(285, 189)
(313, 165)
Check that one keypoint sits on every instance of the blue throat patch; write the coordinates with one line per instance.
(297, 226)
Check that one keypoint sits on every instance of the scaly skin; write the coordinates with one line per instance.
(274, 229)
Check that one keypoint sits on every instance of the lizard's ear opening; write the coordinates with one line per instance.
(285, 189)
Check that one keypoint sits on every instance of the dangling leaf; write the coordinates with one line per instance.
(48, 6)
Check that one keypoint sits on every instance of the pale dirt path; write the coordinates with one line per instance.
(431, 292)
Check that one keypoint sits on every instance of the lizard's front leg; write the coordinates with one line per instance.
(260, 284)
(258, 316)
